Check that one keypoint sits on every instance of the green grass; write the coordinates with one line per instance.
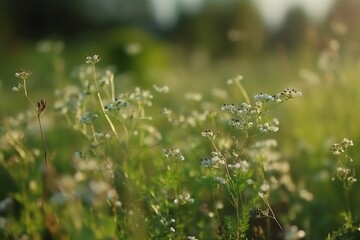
(124, 187)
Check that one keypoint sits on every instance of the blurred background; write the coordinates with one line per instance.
(197, 45)
(169, 33)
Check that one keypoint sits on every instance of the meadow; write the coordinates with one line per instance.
(179, 146)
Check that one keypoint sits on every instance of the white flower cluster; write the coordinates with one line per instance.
(245, 115)
(101, 135)
(116, 105)
(168, 223)
(208, 133)
(237, 123)
(212, 161)
(266, 127)
(173, 153)
(286, 94)
(220, 180)
(92, 59)
(243, 109)
(23, 74)
(88, 118)
(142, 96)
(183, 199)
(339, 148)
(242, 165)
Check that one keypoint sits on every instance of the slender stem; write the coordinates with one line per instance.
(348, 212)
(216, 210)
(27, 96)
(43, 140)
(242, 90)
(39, 121)
(102, 105)
(232, 191)
(39, 110)
(266, 201)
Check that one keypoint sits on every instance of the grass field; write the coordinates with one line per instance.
(152, 152)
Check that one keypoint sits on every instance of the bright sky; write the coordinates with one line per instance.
(166, 11)
(273, 11)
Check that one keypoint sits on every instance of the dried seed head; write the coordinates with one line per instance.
(41, 106)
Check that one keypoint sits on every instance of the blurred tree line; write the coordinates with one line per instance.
(222, 29)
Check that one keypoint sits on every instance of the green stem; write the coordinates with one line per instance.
(102, 105)
(266, 201)
(242, 90)
(42, 139)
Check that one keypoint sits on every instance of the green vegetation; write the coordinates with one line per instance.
(142, 163)
(198, 140)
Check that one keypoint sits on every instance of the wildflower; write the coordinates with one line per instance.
(17, 87)
(342, 170)
(141, 96)
(264, 188)
(351, 179)
(116, 105)
(286, 94)
(207, 162)
(23, 74)
(339, 148)
(102, 135)
(164, 89)
(249, 181)
(237, 123)
(242, 165)
(92, 59)
(234, 80)
(220, 180)
(212, 161)
(106, 79)
(173, 153)
(208, 133)
(183, 199)
(293, 233)
(229, 107)
(88, 118)
(167, 223)
(264, 97)
(266, 127)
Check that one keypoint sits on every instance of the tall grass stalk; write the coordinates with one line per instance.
(93, 60)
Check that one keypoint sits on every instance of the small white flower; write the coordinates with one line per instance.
(249, 181)
(220, 180)
(265, 187)
(164, 89)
